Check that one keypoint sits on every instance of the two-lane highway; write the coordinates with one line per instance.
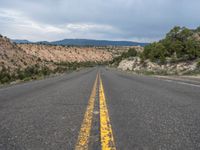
(100, 108)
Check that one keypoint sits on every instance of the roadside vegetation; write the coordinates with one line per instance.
(130, 53)
(180, 44)
(198, 64)
(66, 66)
(37, 72)
(177, 54)
(30, 73)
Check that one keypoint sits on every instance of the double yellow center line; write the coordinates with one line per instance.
(107, 139)
(106, 134)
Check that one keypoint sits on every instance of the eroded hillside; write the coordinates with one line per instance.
(13, 57)
(31, 61)
(19, 56)
(66, 54)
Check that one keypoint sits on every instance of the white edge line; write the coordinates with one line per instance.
(184, 83)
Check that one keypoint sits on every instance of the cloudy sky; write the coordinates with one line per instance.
(135, 20)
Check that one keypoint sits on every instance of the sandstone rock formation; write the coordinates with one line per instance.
(135, 64)
(66, 54)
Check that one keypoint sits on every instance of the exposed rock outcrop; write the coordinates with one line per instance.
(135, 64)
(66, 54)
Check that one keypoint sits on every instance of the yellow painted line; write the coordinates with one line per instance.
(107, 139)
(84, 134)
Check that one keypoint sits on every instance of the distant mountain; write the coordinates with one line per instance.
(21, 41)
(85, 42)
(43, 42)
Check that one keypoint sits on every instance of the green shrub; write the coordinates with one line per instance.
(130, 53)
(198, 64)
(45, 71)
(5, 79)
(156, 52)
(178, 44)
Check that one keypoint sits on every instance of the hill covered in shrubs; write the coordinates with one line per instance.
(180, 44)
(177, 53)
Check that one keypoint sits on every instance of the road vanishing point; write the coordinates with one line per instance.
(100, 109)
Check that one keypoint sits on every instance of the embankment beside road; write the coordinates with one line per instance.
(177, 54)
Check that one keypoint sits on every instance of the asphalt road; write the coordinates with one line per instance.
(129, 112)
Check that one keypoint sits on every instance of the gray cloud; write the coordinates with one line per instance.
(140, 20)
